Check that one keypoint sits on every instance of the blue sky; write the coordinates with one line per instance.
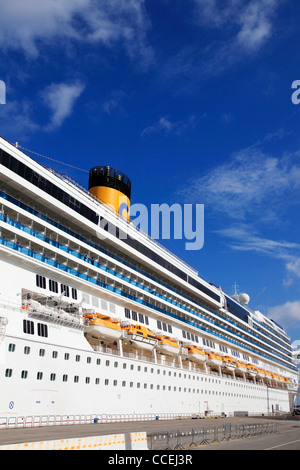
(192, 100)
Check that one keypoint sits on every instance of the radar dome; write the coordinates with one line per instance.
(244, 299)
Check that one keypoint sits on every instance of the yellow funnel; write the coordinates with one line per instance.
(111, 187)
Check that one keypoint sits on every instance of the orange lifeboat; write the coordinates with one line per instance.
(261, 373)
(168, 345)
(268, 375)
(214, 359)
(140, 337)
(102, 327)
(241, 367)
(229, 363)
(196, 354)
(252, 370)
(275, 377)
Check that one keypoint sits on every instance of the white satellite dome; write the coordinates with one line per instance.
(244, 298)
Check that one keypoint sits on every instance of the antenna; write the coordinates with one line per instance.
(235, 289)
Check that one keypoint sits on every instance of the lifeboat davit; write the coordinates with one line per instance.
(167, 345)
(196, 354)
(102, 327)
(140, 337)
(229, 363)
(214, 359)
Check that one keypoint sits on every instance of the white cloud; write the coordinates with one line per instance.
(293, 266)
(252, 19)
(242, 237)
(60, 98)
(18, 117)
(256, 26)
(245, 239)
(251, 181)
(287, 315)
(216, 13)
(27, 25)
(244, 28)
(165, 125)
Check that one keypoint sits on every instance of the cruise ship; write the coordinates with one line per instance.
(99, 321)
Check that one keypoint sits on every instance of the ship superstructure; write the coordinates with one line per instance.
(97, 318)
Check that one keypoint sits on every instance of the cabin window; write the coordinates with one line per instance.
(53, 286)
(74, 293)
(8, 373)
(28, 327)
(65, 290)
(134, 315)
(41, 281)
(127, 313)
(43, 330)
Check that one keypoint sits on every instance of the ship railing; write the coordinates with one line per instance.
(12, 422)
(3, 323)
(56, 315)
(105, 350)
(30, 421)
(9, 303)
